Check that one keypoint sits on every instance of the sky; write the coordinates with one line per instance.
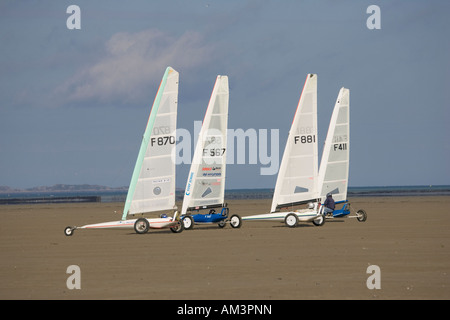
(74, 102)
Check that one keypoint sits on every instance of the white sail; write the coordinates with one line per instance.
(334, 166)
(297, 177)
(205, 185)
(152, 186)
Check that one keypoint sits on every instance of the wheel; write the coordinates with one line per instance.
(188, 222)
(221, 224)
(319, 221)
(361, 215)
(291, 220)
(141, 226)
(235, 221)
(68, 231)
(179, 227)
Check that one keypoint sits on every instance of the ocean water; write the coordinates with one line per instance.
(440, 190)
(352, 192)
(120, 196)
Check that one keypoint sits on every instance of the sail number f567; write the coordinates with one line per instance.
(214, 152)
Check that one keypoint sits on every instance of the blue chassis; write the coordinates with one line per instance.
(210, 217)
(345, 210)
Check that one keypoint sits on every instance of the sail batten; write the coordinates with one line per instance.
(297, 177)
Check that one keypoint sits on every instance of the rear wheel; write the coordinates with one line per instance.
(141, 226)
(235, 221)
(319, 221)
(291, 220)
(179, 227)
(361, 215)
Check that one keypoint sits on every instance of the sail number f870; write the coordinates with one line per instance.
(162, 141)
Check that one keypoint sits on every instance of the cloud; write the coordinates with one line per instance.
(135, 62)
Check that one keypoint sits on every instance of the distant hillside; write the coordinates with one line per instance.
(5, 189)
(62, 188)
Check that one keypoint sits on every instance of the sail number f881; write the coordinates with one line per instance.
(305, 139)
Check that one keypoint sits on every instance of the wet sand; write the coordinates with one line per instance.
(407, 237)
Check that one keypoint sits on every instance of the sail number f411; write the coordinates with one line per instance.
(339, 146)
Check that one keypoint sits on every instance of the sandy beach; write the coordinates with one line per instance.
(407, 237)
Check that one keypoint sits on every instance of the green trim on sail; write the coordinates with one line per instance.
(144, 144)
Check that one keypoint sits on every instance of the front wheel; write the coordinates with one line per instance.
(361, 215)
(291, 220)
(235, 221)
(141, 226)
(68, 231)
(319, 221)
(188, 222)
(179, 227)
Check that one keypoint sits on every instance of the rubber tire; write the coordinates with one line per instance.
(235, 221)
(320, 223)
(178, 228)
(221, 224)
(291, 220)
(362, 215)
(190, 222)
(68, 231)
(141, 226)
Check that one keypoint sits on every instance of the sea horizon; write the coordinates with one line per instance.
(119, 194)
